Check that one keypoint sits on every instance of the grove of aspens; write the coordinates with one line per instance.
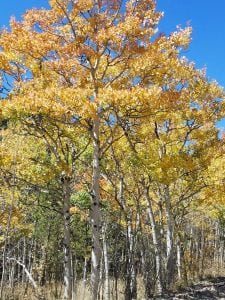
(112, 178)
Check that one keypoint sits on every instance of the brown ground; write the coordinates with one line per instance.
(207, 289)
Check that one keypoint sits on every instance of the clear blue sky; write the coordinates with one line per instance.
(206, 17)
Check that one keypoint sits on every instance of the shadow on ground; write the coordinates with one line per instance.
(208, 289)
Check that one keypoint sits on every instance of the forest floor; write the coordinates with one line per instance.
(207, 289)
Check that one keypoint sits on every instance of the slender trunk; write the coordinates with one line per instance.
(221, 258)
(24, 259)
(101, 283)
(170, 263)
(146, 270)
(95, 213)
(158, 258)
(169, 229)
(179, 260)
(106, 266)
(31, 261)
(11, 277)
(216, 241)
(131, 284)
(84, 278)
(202, 254)
(74, 276)
(191, 260)
(42, 270)
(67, 246)
(6, 237)
(18, 271)
(116, 264)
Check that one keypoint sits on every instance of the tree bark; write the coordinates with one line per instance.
(170, 263)
(96, 252)
(179, 260)
(24, 258)
(158, 258)
(84, 278)
(34, 284)
(67, 241)
(131, 284)
(106, 267)
(6, 236)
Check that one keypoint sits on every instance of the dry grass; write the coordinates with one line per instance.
(54, 291)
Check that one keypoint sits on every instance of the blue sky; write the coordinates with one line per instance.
(17, 8)
(208, 40)
(207, 48)
(206, 17)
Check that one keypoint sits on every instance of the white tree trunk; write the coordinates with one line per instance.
(34, 284)
(84, 278)
(157, 251)
(6, 237)
(67, 246)
(95, 213)
(131, 288)
(106, 266)
(179, 260)
(169, 227)
(170, 263)
(24, 258)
